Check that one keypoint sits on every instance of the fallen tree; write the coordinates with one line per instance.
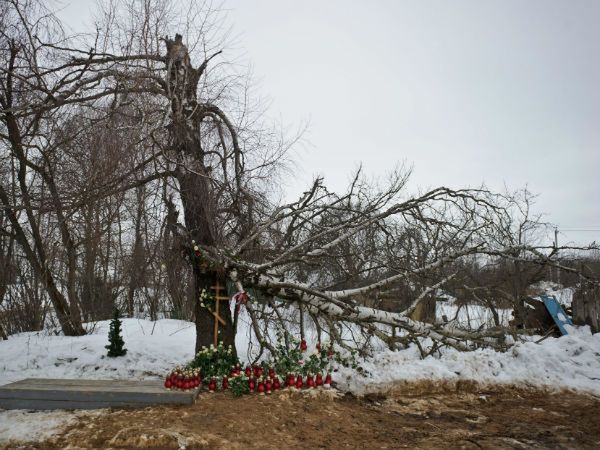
(331, 255)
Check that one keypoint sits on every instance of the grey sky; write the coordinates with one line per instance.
(466, 91)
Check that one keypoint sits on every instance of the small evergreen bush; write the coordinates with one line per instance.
(116, 346)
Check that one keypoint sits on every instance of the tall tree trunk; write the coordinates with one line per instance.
(67, 242)
(137, 268)
(196, 201)
(196, 193)
(171, 248)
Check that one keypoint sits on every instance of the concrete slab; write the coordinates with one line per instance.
(45, 393)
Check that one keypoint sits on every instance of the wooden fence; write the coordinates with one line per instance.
(586, 306)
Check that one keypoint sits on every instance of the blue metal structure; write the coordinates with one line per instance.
(557, 312)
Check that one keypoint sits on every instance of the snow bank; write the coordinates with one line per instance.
(152, 349)
(571, 362)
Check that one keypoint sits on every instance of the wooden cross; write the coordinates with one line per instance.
(218, 299)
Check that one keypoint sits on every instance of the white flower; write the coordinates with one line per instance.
(196, 248)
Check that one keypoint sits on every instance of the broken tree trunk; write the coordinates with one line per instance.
(194, 184)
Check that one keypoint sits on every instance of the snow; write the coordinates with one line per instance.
(571, 362)
(471, 316)
(152, 349)
(564, 296)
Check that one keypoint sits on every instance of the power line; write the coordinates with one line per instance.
(587, 227)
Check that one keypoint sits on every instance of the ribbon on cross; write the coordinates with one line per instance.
(241, 298)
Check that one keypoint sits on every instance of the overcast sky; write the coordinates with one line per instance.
(468, 92)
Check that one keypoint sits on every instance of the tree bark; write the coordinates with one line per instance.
(194, 184)
(195, 198)
(137, 269)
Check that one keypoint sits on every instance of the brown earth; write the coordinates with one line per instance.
(416, 416)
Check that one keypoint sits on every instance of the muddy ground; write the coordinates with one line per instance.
(416, 416)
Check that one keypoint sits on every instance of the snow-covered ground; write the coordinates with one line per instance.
(152, 348)
(568, 362)
(571, 361)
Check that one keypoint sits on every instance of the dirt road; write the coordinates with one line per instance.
(416, 416)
